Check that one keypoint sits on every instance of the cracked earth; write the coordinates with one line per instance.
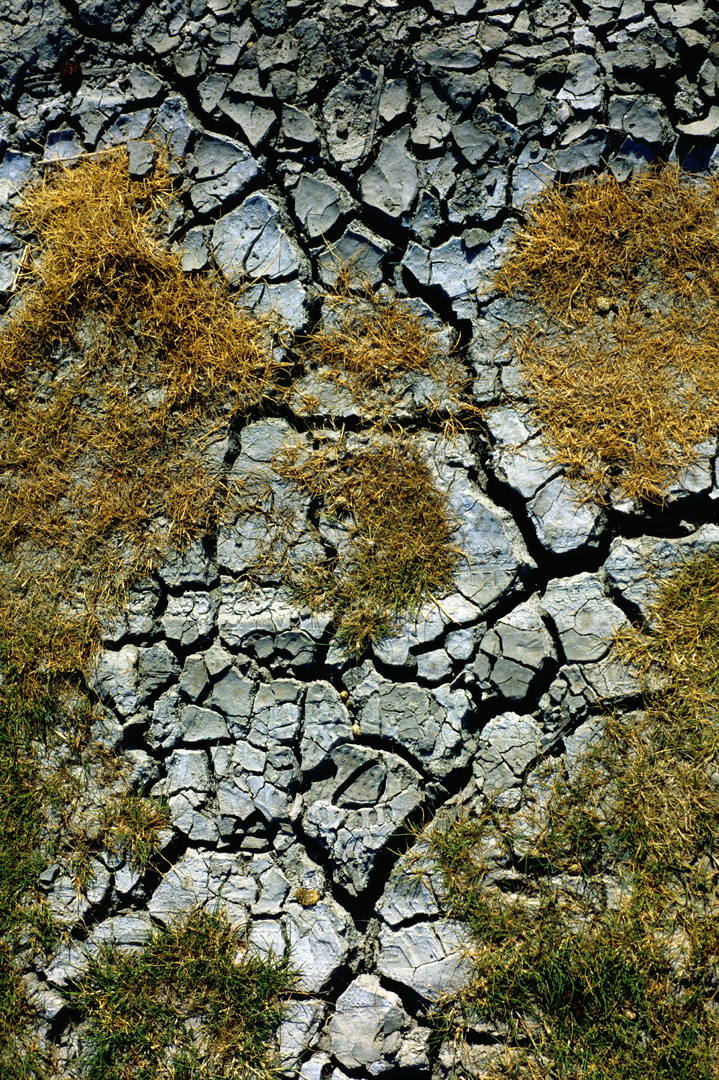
(407, 138)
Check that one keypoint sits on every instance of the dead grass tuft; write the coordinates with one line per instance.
(117, 369)
(370, 340)
(385, 518)
(622, 365)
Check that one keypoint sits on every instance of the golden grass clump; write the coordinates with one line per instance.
(116, 370)
(395, 544)
(369, 340)
(622, 360)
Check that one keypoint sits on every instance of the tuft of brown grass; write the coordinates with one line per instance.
(370, 340)
(394, 539)
(622, 361)
(116, 370)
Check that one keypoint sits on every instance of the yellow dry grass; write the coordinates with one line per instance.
(116, 369)
(399, 546)
(369, 341)
(622, 361)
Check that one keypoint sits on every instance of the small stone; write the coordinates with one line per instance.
(202, 725)
(427, 217)
(532, 175)
(319, 204)
(172, 126)
(315, 1068)
(429, 958)
(475, 238)
(61, 145)
(408, 896)
(187, 62)
(128, 126)
(364, 1026)
(563, 522)
(512, 80)
(393, 100)
(586, 153)
(141, 156)
(642, 118)
(254, 121)
(680, 15)
(266, 938)
(585, 618)
(188, 769)
(298, 1030)
(195, 250)
(460, 644)
(521, 647)
(707, 128)
(359, 248)
(307, 897)
(434, 666)
(509, 744)
(390, 184)
(475, 144)
(347, 113)
(583, 85)
(298, 126)
(249, 241)
(189, 617)
(211, 91)
(222, 169)
(431, 124)
(355, 813)
(453, 50)
(319, 938)
(48, 876)
(15, 171)
(327, 724)
(288, 299)
(144, 84)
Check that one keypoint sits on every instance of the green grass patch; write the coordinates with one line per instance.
(595, 906)
(50, 811)
(192, 1004)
